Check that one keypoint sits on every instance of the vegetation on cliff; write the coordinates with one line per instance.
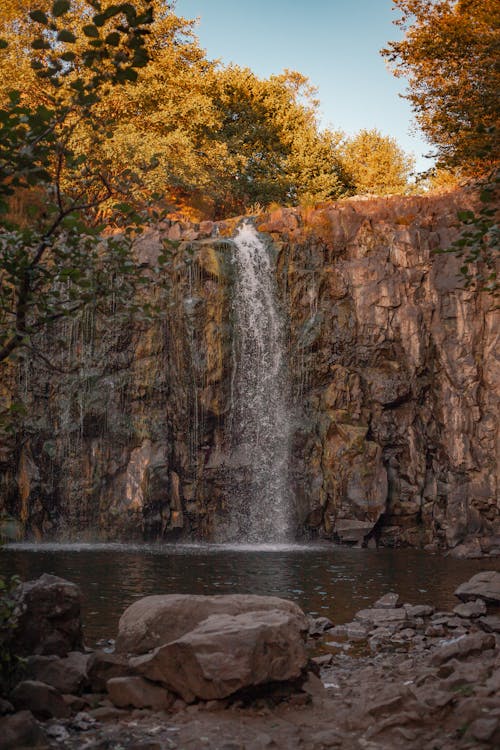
(85, 137)
(222, 139)
(53, 256)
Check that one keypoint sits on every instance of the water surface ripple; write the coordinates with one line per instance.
(323, 579)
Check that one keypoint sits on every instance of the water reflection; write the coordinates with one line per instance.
(324, 580)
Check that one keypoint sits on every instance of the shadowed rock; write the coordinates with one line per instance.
(49, 617)
(139, 693)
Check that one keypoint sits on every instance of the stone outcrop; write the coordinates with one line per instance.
(395, 378)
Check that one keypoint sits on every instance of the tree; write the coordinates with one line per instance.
(275, 151)
(374, 163)
(449, 54)
(58, 260)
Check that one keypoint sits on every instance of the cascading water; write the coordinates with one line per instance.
(260, 422)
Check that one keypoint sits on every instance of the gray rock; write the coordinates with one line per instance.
(66, 675)
(471, 609)
(157, 620)
(388, 601)
(21, 730)
(463, 647)
(5, 707)
(491, 623)
(103, 667)
(435, 631)
(227, 653)
(352, 531)
(138, 693)
(49, 620)
(43, 700)
(484, 585)
(381, 616)
(319, 625)
(418, 610)
(324, 660)
(484, 729)
(356, 631)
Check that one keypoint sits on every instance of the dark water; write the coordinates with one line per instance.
(324, 580)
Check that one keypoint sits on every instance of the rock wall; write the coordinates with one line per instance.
(394, 396)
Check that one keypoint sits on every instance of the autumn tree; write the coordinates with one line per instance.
(56, 259)
(275, 151)
(375, 163)
(449, 55)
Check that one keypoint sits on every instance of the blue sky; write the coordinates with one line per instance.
(335, 43)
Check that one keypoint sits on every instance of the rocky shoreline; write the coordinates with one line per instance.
(247, 672)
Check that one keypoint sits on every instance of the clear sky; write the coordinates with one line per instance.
(335, 43)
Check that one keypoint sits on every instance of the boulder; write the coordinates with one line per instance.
(43, 700)
(103, 667)
(474, 608)
(484, 585)
(228, 653)
(157, 620)
(382, 616)
(418, 610)
(388, 601)
(352, 531)
(463, 647)
(49, 619)
(137, 692)
(67, 675)
(491, 623)
(319, 625)
(21, 730)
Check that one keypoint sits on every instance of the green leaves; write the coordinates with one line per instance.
(58, 261)
(478, 245)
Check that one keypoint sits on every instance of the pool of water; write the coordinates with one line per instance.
(323, 579)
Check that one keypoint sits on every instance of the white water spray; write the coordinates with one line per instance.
(260, 421)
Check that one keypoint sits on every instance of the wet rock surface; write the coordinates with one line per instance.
(401, 685)
(395, 390)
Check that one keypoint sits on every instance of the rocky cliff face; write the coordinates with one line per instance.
(394, 402)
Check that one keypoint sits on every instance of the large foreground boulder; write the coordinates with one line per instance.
(228, 653)
(484, 585)
(21, 730)
(48, 617)
(157, 620)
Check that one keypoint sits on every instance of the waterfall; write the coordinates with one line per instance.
(260, 425)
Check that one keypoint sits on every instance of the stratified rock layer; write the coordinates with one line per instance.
(394, 371)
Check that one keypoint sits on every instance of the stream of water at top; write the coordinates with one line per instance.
(260, 424)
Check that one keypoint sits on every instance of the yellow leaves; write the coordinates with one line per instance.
(449, 55)
(375, 163)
